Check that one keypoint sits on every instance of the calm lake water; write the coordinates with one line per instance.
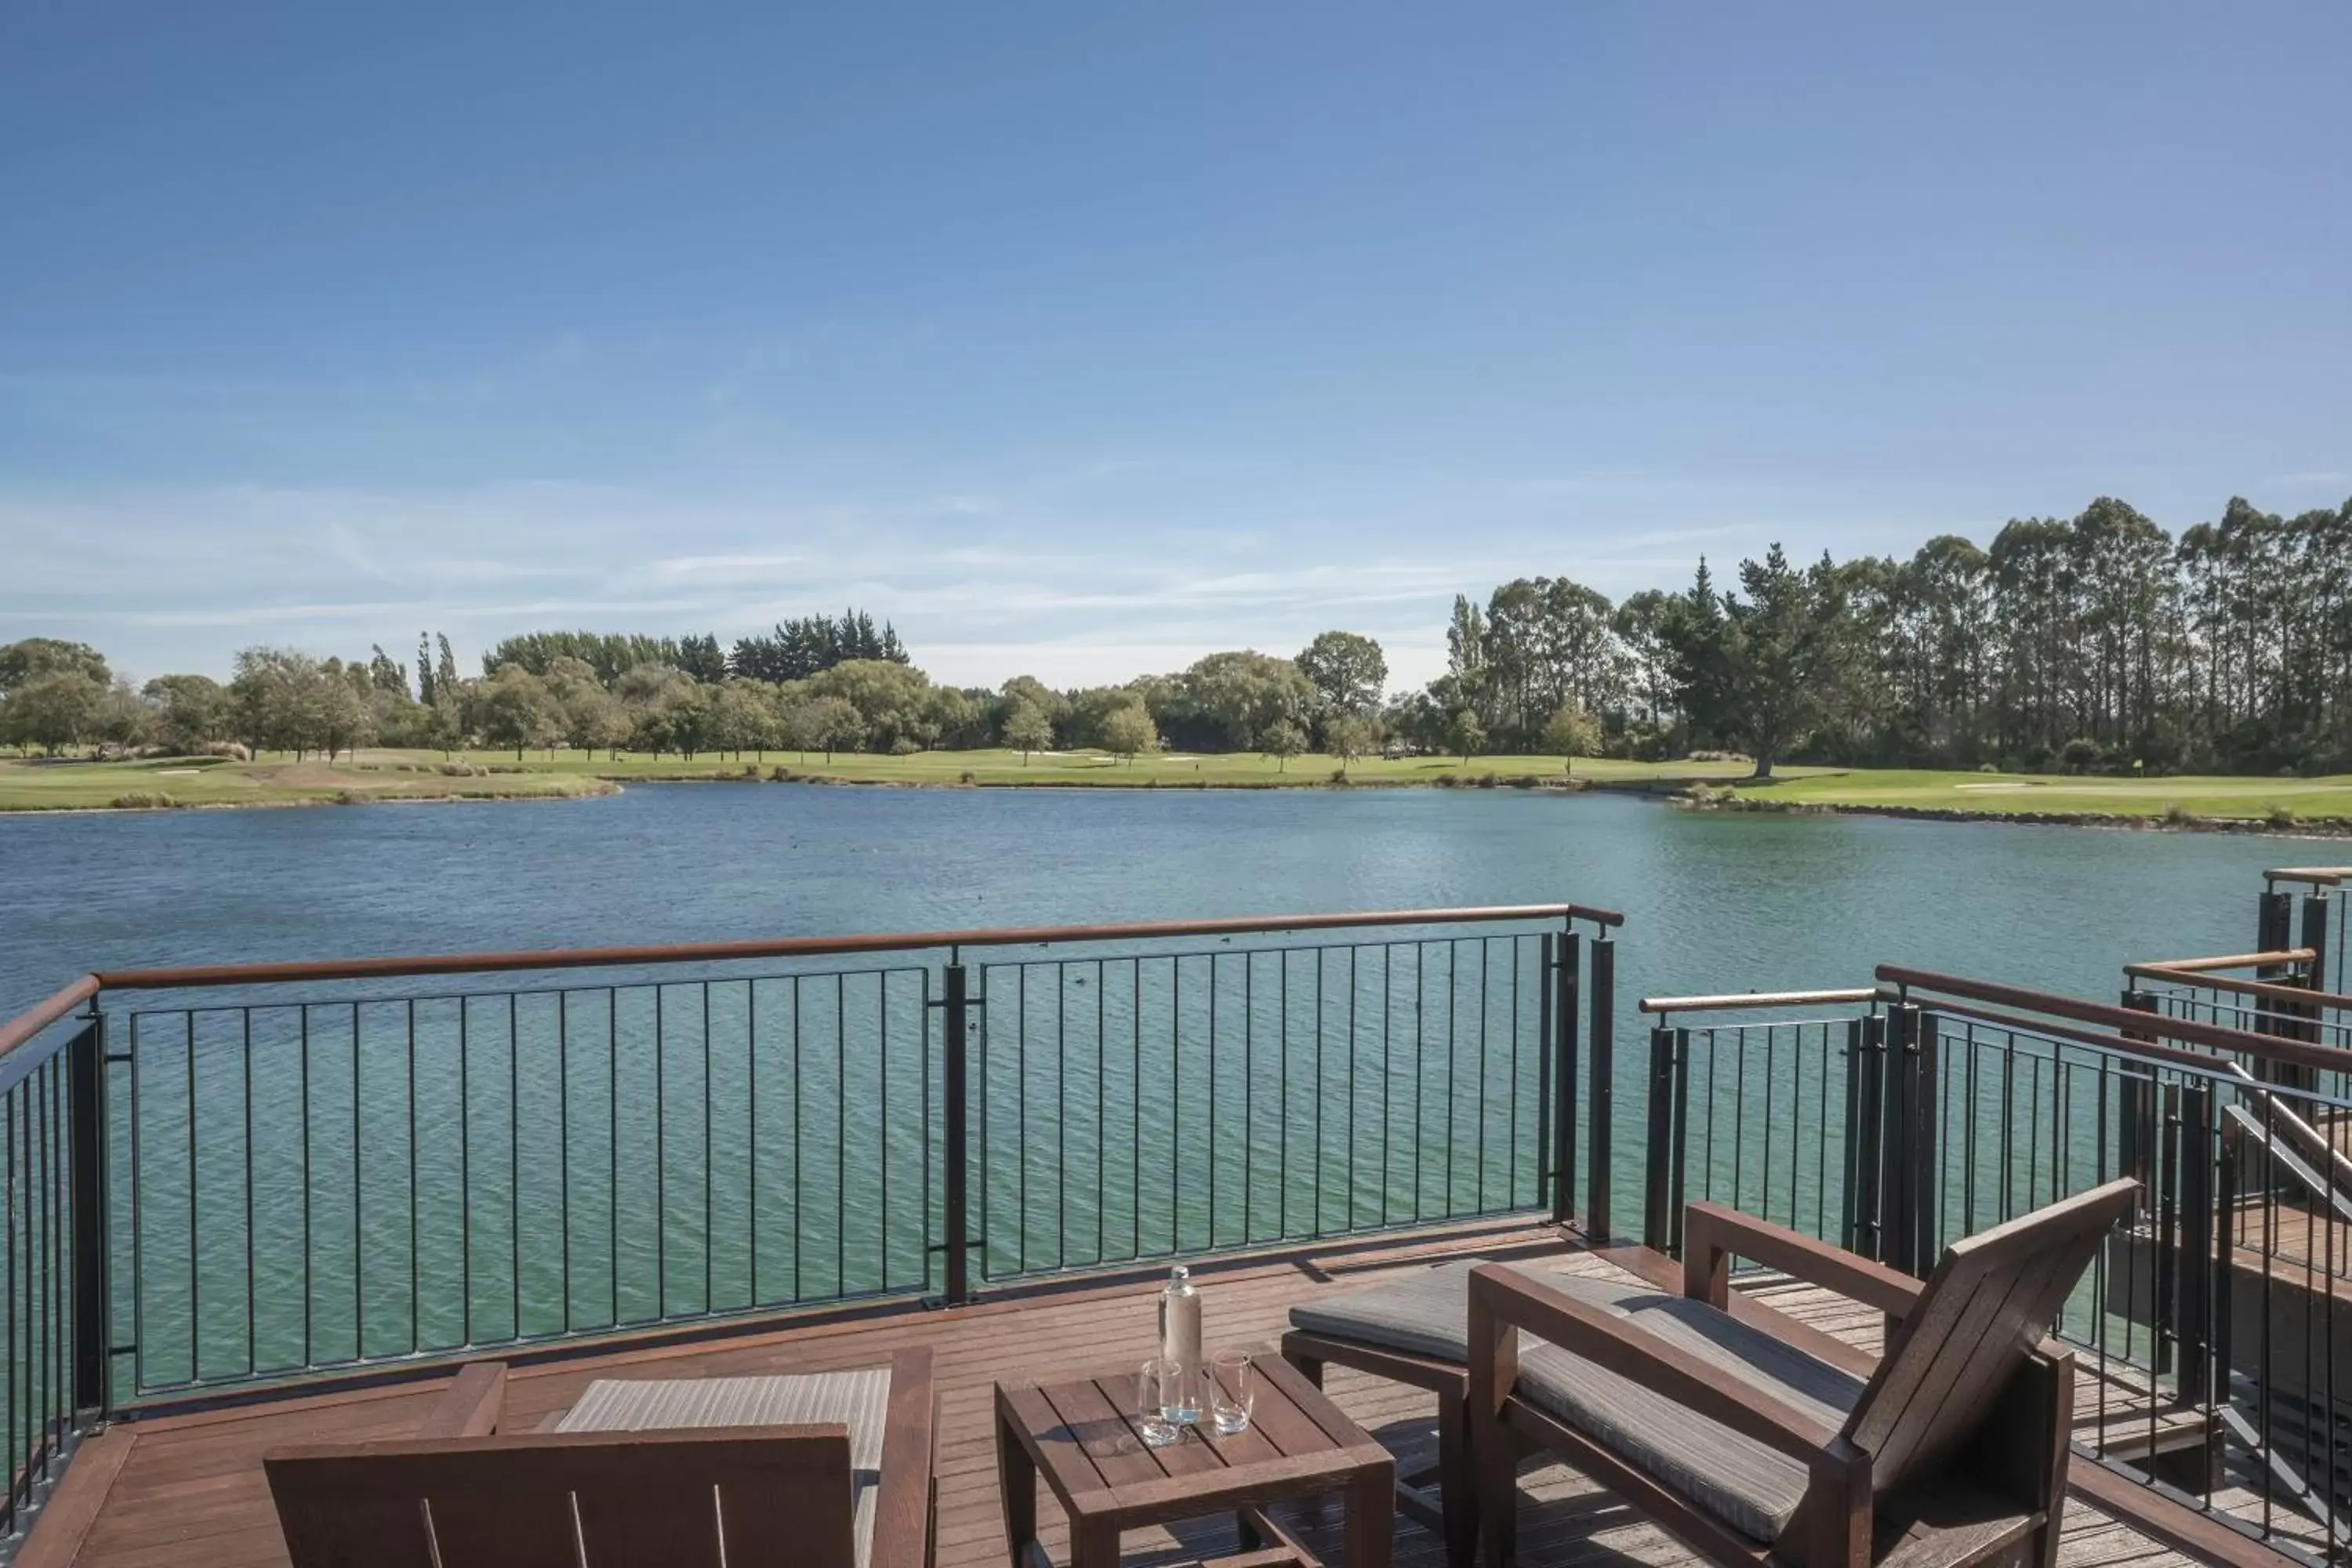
(304, 1185)
(1713, 903)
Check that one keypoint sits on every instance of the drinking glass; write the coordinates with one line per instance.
(1157, 1387)
(1232, 1393)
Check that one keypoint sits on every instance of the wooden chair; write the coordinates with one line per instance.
(1954, 1452)
(706, 1489)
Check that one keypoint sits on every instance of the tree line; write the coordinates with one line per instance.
(2093, 641)
(2097, 640)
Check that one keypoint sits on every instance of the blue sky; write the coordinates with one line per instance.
(1084, 339)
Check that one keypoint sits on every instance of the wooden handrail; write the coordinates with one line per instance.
(2264, 988)
(2125, 1020)
(1757, 999)
(821, 946)
(2228, 960)
(41, 1015)
(2318, 875)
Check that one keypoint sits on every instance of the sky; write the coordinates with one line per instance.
(1082, 340)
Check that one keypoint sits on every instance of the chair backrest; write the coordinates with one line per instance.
(1989, 1303)
(744, 1497)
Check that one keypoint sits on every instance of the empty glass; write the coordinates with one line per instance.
(1158, 1388)
(1232, 1393)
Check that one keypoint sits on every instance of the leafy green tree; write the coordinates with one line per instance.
(1026, 728)
(891, 699)
(191, 711)
(1230, 701)
(54, 709)
(1348, 671)
(514, 708)
(828, 724)
(1786, 654)
(20, 661)
(123, 721)
(1128, 730)
(1571, 732)
(1346, 737)
(1283, 741)
(1465, 734)
(274, 697)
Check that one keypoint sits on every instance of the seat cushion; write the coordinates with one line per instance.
(859, 1400)
(1739, 1481)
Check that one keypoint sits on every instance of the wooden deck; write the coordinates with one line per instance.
(189, 1488)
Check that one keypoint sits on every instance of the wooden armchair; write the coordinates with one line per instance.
(823, 1469)
(1954, 1452)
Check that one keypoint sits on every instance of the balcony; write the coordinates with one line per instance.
(269, 1203)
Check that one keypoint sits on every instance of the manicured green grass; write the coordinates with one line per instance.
(1176, 769)
(66, 786)
(35, 784)
(2018, 793)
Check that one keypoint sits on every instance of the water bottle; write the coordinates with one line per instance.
(1179, 1342)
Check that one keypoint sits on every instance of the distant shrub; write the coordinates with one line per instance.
(905, 746)
(144, 800)
(779, 774)
(968, 776)
(1445, 780)
(750, 770)
(351, 797)
(458, 769)
(1986, 768)
(1717, 757)
(1339, 775)
(2281, 817)
(2178, 815)
(1488, 780)
(2080, 752)
(229, 749)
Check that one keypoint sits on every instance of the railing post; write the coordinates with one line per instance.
(2194, 1316)
(1603, 1096)
(1664, 1136)
(1559, 1002)
(86, 1106)
(1923, 1082)
(2315, 937)
(1897, 1200)
(1850, 1188)
(957, 1114)
(2135, 1109)
(1868, 1128)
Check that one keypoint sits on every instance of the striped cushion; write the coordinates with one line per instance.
(1739, 1481)
(1424, 1313)
(859, 1400)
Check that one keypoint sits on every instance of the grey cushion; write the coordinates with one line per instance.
(859, 1400)
(1748, 1486)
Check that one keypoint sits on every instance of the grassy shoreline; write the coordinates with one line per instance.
(2302, 806)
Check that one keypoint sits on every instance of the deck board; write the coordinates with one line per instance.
(192, 1489)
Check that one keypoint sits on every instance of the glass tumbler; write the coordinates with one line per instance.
(1232, 1393)
(1157, 1390)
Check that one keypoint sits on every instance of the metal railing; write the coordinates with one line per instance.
(1897, 1119)
(226, 1178)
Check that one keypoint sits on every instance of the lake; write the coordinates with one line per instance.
(1713, 902)
(298, 1185)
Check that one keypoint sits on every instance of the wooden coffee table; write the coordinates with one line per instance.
(1079, 1434)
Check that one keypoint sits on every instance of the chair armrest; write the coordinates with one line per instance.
(1712, 1235)
(902, 1500)
(1502, 1299)
(472, 1406)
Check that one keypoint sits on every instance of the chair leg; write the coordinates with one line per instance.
(1308, 1367)
(1457, 1480)
(1494, 1460)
